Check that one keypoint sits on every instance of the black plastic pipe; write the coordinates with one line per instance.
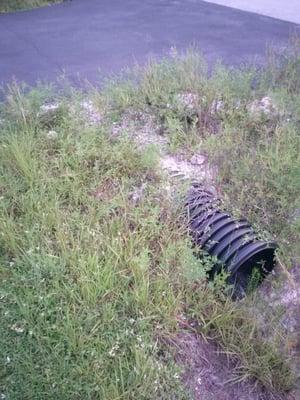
(233, 243)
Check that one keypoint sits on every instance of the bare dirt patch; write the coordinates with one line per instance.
(143, 128)
(280, 294)
(208, 373)
(183, 168)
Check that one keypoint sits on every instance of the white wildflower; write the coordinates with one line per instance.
(113, 350)
(17, 328)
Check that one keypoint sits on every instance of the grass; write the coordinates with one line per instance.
(91, 281)
(84, 273)
(14, 5)
(257, 154)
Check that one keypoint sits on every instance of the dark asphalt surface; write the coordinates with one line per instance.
(81, 37)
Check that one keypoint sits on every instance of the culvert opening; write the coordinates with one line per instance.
(234, 243)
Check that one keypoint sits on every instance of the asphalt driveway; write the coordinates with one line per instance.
(81, 37)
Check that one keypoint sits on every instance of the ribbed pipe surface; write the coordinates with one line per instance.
(234, 243)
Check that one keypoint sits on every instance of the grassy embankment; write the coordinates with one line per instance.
(92, 283)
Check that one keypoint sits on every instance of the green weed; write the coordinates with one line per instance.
(14, 5)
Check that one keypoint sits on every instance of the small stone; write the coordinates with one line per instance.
(263, 106)
(92, 114)
(197, 159)
(52, 134)
(45, 108)
(188, 100)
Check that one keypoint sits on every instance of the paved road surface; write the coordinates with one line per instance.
(288, 10)
(83, 36)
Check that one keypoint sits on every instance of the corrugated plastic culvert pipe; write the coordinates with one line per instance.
(234, 243)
